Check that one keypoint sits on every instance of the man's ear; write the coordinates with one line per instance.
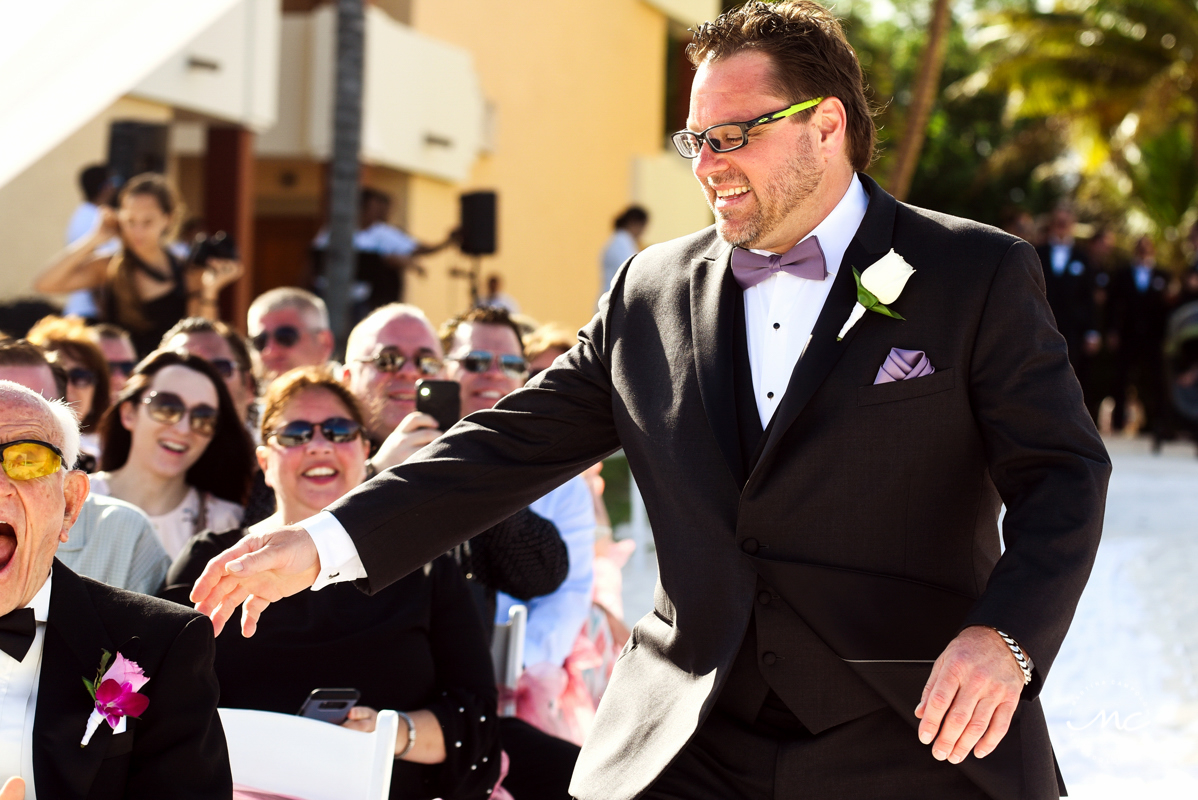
(831, 120)
(326, 343)
(75, 488)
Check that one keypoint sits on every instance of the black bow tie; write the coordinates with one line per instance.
(16, 632)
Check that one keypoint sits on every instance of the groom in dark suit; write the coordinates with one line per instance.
(55, 627)
(823, 466)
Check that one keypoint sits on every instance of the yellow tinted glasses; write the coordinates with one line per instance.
(26, 459)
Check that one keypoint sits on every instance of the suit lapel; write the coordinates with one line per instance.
(75, 637)
(871, 242)
(713, 293)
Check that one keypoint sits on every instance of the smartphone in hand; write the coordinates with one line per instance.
(330, 705)
(441, 400)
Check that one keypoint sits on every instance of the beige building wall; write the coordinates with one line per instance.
(36, 205)
(578, 92)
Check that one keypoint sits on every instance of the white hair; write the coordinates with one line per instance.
(311, 308)
(57, 413)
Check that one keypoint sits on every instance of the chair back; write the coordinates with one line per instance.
(507, 656)
(305, 758)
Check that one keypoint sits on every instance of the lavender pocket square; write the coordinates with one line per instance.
(902, 365)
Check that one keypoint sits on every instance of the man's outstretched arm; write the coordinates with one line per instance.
(482, 471)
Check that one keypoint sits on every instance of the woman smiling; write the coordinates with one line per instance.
(174, 446)
(416, 646)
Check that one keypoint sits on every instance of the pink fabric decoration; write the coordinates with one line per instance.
(903, 365)
(498, 792)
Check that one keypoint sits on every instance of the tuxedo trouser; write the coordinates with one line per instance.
(874, 757)
(539, 765)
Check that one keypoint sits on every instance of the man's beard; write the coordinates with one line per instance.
(776, 197)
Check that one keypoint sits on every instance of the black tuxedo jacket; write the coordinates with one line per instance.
(870, 510)
(1140, 318)
(1070, 295)
(176, 748)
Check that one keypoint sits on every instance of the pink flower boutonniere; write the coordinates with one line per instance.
(115, 694)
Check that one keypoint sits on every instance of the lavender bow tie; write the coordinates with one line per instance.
(804, 260)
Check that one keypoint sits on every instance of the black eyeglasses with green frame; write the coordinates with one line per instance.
(728, 136)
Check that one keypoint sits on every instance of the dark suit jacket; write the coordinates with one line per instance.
(871, 510)
(177, 748)
(1139, 317)
(1070, 295)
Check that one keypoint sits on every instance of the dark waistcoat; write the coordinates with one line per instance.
(784, 678)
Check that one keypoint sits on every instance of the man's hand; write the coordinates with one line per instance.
(14, 789)
(974, 689)
(413, 432)
(257, 571)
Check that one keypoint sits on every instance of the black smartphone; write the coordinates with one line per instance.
(330, 705)
(441, 400)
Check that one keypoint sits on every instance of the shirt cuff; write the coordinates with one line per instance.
(339, 559)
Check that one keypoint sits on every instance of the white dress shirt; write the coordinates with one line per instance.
(18, 699)
(780, 312)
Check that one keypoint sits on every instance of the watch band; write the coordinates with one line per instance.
(411, 734)
(1020, 657)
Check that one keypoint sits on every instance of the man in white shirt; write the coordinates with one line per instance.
(835, 618)
(98, 190)
(55, 628)
(623, 244)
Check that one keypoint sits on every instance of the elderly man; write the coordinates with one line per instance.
(112, 541)
(289, 328)
(826, 399)
(162, 736)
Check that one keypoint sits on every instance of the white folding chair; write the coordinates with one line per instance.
(310, 759)
(507, 656)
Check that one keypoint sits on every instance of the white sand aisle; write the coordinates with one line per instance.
(1122, 701)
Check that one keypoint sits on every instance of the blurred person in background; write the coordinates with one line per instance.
(378, 284)
(498, 298)
(98, 190)
(146, 287)
(111, 541)
(1139, 310)
(119, 353)
(66, 341)
(623, 244)
(224, 349)
(1189, 277)
(544, 344)
(1068, 284)
(416, 646)
(174, 446)
(289, 328)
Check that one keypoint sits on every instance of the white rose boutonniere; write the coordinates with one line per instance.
(881, 283)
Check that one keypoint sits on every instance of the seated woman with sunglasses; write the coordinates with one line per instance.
(66, 342)
(174, 446)
(415, 646)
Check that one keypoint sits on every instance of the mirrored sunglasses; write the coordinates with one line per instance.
(389, 359)
(284, 336)
(479, 361)
(337, 430)
(26, 459)
(168, 408)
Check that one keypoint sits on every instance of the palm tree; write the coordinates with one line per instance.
(340, 258)
(923, 97)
